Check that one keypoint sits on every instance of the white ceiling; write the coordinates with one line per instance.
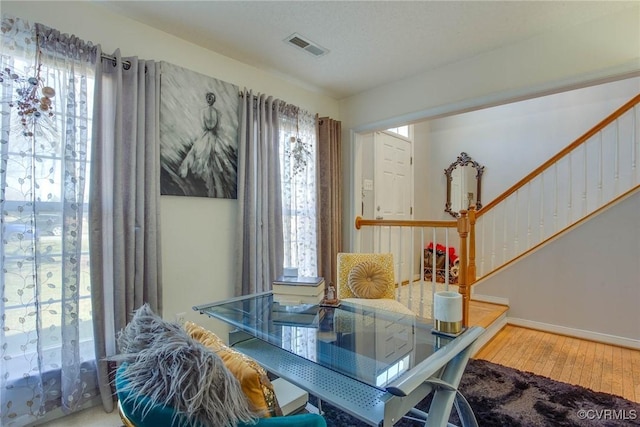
(371, 43)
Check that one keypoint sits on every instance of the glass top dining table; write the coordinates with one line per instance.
(371, 345)
(372, 363)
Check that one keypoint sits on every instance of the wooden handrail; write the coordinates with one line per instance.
(403, 223)
(465, 226)
(466, 222)
(546, 165)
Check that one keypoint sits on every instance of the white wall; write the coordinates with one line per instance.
(596, 51)
(198, 234)
(423, 200)
(512, 140)
(587, 281)
(601, 48)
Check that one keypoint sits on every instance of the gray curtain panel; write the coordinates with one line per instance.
(260, 241)
(124, 206)
(329, 197)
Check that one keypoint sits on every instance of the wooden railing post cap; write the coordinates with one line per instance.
(472, 213)
(463, 223)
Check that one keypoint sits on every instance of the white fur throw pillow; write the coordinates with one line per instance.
(177, 371)
(145, 328)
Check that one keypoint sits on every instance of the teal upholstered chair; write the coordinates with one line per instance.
(163, 416)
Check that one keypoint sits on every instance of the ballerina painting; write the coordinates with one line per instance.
(198, 134)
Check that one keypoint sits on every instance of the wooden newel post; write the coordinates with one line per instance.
(471, 277)
(463, 287)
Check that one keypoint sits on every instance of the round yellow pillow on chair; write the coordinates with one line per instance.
(368, 280)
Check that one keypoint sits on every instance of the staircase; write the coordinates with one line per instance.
(585, 178)
(571, 226)
(568, 196)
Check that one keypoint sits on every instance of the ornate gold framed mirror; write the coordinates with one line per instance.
(464, 178)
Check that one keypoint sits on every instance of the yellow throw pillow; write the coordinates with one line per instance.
(346, 262)
(252, 377)
(368, 280)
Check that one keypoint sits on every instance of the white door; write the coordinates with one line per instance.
(393, 197)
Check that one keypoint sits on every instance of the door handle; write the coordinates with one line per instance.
(379, 217)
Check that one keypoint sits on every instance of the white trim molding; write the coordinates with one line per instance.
(488, 298)
(577, 333)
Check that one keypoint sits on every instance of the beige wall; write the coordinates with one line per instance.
(512, 140)
(597, 51)
(586, 283)
(198, 234)
(602, 48)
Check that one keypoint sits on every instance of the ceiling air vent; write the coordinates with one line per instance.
(305, 44)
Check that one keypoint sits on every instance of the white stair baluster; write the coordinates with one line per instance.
(400, 269)
(634, 146)
(541, 218)
(570, 191)
(433, 266)
(585, 206)
(600, 169)
(616, 160)
(555, 197)
(516, 243)
(422, 282)
(504, 232)
(529, 215)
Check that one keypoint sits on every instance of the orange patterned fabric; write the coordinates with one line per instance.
(252, 377)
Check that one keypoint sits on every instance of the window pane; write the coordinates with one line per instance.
(44, 238)
(298, 169)
(402, 130)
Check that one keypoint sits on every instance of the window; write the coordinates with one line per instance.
(44, 223)
(402, 130)
(299, 194)
(299, 211)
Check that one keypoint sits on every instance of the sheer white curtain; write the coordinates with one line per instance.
(299, 188)
(299, 206)
(47, 358)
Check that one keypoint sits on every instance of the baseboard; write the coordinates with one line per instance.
(57, 414)
(577, 333)
(489, 299)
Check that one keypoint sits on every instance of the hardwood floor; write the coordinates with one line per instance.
(597, 366)
(600, 367)
(484, 314)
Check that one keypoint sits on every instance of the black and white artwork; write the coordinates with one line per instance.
(198, 134)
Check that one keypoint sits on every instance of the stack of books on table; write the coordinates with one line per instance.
(298, 290)
(305, 315)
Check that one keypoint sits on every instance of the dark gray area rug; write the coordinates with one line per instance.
(502, 396)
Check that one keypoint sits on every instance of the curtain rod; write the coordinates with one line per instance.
(241, 94)
(125, 64)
